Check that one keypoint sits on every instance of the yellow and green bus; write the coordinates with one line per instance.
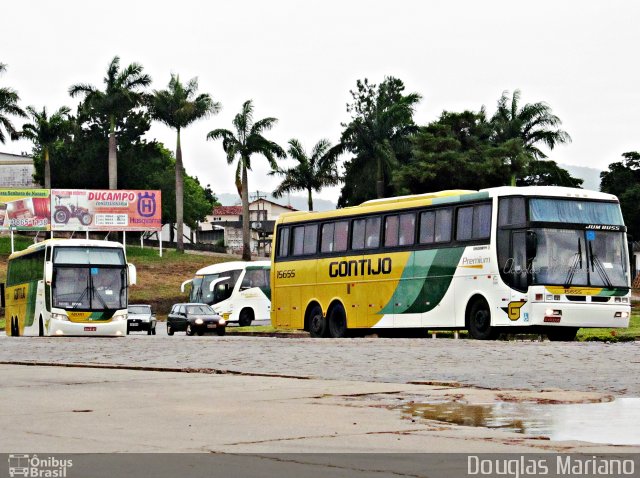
(68, 287)
(509, 259)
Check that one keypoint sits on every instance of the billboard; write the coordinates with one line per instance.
(25, 209)
(105, 210)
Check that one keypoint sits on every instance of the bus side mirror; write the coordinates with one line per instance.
(133, 274)
(184, 285)
(48, 272)
(532, 244)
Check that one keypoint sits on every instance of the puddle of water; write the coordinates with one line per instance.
(611, 422)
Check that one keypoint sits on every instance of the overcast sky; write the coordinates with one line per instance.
(298, 60)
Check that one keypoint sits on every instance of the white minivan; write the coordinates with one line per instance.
(239, 291)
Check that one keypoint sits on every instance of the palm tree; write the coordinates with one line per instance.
(382, 120)
(44, 132)
(247, 141)
(121, 94)
(528, 126)
(8, 107)
(178, 106)
(312, 173)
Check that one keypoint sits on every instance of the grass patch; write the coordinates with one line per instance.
(614, 335)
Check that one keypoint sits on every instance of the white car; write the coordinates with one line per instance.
(141, 318)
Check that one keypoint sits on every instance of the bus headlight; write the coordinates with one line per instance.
(121, 316)
(62, 317)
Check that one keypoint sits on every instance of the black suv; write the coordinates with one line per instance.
(195, 318)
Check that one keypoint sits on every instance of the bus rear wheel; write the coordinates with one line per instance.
(480, 321)
(15, 328)
(337, 322)
(317, 323)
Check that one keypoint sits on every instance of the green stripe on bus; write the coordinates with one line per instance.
(424, 282)
(32, 291)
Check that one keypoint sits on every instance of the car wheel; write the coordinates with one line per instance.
(221, 331)
(128, 329)
(169, 329)
(149, 331)
(200, 332)
(189, 330)
(245, 318)
(154, 330)
(317, 323)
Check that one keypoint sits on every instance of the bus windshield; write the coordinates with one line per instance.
(572, 257)
(88, 255)
(572, 211)
(201, 287)
(89, 288)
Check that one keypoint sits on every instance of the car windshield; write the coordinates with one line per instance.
(572, 257)
(199, 309)
(89, 288)
(139, 309)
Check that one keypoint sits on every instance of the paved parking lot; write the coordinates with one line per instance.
(583, 366)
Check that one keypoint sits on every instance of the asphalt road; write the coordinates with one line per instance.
(527, 365)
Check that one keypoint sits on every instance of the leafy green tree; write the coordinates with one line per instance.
(453, 152)
(313, 172)
(623, 179)
(45, 132)
(178, 106)
(523, 129)
(377, 136)
(123, 92)
(548, 173)
(247, 141)
(8, 107)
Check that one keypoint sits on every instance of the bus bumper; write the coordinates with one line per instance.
(562, 314)
(114, 328)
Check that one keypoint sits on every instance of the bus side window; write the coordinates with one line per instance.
(326, 239)
(254, 278)
(283, 246)
(341, 236)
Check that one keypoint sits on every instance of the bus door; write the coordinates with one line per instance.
(255, 292)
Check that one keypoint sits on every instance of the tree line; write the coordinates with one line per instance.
(386, 152)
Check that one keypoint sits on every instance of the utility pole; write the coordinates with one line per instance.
(259, 230)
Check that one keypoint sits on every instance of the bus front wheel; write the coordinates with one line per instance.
(337, 322)
(317, 323)
(40, 328)
(15, 328)
(246, 317)
(480, 321)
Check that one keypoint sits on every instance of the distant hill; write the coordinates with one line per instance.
(298, 202)
(591, 176)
